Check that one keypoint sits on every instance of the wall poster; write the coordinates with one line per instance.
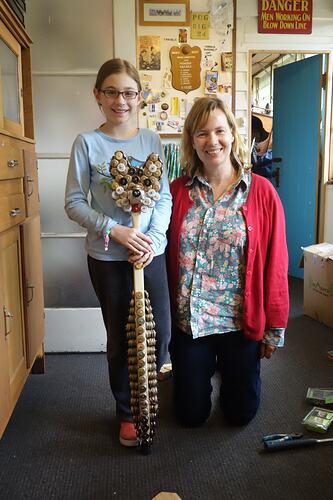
(179, 62)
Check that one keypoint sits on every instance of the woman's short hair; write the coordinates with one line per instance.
(117, 65)
(196, 119)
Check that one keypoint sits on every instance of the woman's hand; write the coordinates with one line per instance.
(143, 258)
(135, 241)
(266, 350)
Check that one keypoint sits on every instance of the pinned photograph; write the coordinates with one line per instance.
(149, 53)
(182, 35)
(226, 62)
(211, 79)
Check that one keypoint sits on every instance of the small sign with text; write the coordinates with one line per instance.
(285, 16)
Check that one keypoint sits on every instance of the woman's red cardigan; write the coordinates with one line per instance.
(266, 297)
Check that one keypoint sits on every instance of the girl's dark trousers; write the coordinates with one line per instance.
(113, 284)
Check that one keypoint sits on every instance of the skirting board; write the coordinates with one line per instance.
(74, 330)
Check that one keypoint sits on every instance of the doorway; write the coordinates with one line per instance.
(291, 100)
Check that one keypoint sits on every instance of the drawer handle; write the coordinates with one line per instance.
(14, 212)
(8, 321)
(32, 288)
(31, 181)
(13, 163)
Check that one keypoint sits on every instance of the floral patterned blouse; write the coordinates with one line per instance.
(212, 262)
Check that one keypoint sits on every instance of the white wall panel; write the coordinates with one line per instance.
(52, 181)
(66, 277)
(241, 100)
(63, 107)
(70, 34)
(323, 9)
(247, 8)
(322, 27)
(82, 330)
(125, 30)
(241, 62)
(287, 42)
(242, 80)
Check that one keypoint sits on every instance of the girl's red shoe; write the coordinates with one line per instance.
(127, 434)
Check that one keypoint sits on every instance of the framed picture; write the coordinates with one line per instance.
(164, 13)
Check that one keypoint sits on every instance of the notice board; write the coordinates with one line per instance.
(184, 51)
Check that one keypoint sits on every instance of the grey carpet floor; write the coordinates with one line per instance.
(62, 440)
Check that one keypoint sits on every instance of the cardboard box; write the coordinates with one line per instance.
(318, 282)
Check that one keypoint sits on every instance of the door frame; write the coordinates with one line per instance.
(324, 173)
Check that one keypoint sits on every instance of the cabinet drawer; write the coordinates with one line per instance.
(12, 204)
(11, 160)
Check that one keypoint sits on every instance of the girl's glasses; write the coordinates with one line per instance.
(128, 95)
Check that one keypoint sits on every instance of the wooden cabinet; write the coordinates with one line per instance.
(21, 282)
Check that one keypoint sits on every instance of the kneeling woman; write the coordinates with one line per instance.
(228, 264)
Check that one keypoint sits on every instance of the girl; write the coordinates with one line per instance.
(111, 243)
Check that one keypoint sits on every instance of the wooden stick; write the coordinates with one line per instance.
(141, 331)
